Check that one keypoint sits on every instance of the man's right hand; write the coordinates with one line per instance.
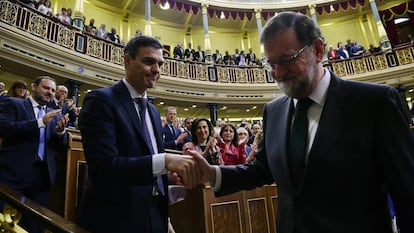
(186, 167)
(50, 115)
(208, 171)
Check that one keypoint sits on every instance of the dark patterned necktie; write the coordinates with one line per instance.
(142, 104)
(298, 140)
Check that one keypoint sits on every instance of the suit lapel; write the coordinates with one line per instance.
(331, 122)
(156, 124)
(276, 138)
(29, 109)
(128, 104)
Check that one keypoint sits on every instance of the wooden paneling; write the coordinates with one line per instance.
(75, 158)
(253, 211)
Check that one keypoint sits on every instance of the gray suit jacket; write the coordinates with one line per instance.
(363, 149)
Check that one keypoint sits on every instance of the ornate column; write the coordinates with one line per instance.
(258, 14)
(207, 43)
(313, 14)
(384, 41)
(213, 112)
(78, 20)
(148, 31)
(74, 89)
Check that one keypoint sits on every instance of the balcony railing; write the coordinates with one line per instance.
(51, 30)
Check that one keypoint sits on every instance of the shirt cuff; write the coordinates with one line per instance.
(158, 164)
(217, 184)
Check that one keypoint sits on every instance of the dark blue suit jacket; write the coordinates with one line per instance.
(169, 138)
(363, 148)
(118, 196)
(20, 133)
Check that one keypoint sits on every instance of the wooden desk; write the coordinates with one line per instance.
(251, 211)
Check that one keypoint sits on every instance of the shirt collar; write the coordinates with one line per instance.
(132, 92)
(34, 103)
(319, 94)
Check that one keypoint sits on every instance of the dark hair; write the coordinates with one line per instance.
(40, 78)
(305, 29)
(235, 140)
(194, 128)
(19, 83)
(131, 49)
(187, 119)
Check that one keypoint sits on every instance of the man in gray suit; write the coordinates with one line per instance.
(357, 147)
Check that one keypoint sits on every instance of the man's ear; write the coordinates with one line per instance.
(127, 59)
(319, 49)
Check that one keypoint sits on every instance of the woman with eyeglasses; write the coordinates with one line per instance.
(18, 90)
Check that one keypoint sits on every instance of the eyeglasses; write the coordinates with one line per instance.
(284, 61)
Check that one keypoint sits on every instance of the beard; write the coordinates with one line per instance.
(41, 99)
(299, 86)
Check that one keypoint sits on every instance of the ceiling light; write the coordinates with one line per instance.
(166, 6)
(194, 106)
(400, 20)
(223, 108)
(185, 109)
(411, 90)
(254, 107)
(162, 103)
(247, 110)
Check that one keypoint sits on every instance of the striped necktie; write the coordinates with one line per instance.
(42, 134)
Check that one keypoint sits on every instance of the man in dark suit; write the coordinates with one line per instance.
(189, 53)
(356, 147)
(121, 132)
(31, 143)
(250, 57)
(61, 102)
(174, 139)
(199, 55)
(178, 52)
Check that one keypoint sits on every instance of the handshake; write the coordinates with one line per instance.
(191, 170)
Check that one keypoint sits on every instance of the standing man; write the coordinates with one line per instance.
(174, 139)
(356, 146)
(121, 132)
(60, 101)
(178, 52)
(188, 123)
(32, 135)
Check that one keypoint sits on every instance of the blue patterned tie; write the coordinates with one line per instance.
(298, 140)
(142, 104)
(41, 151)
